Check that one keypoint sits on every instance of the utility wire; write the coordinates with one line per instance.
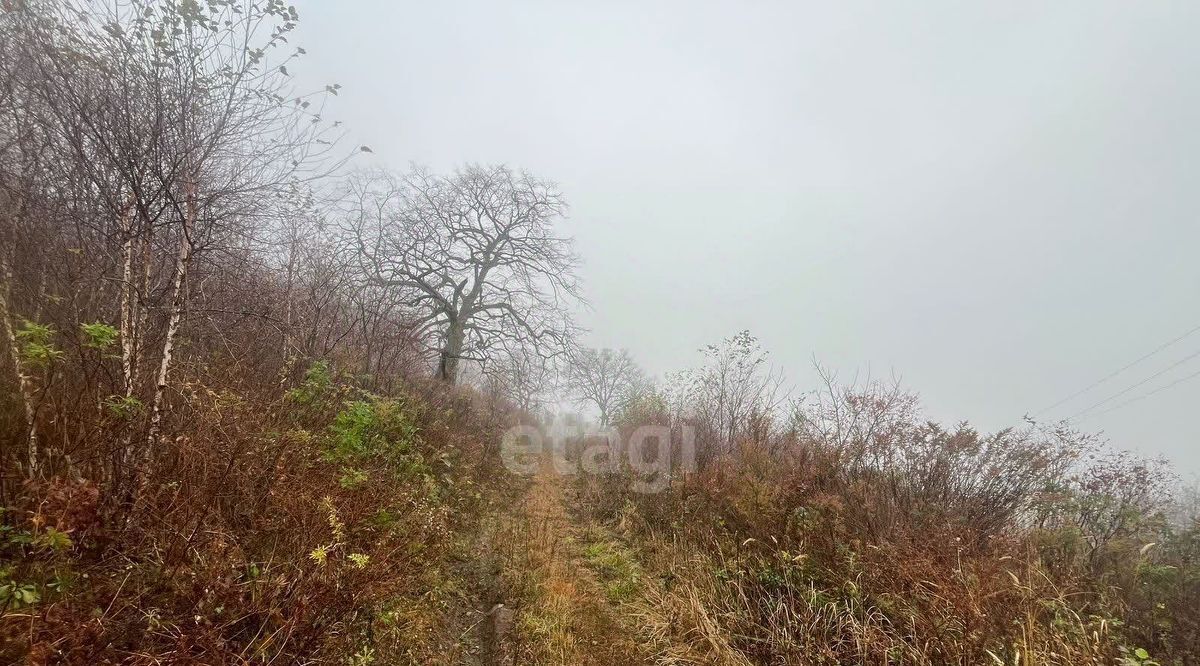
(1115, 373)
(1156, 375)
(1147, 395)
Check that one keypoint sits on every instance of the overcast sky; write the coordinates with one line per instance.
(997, 202)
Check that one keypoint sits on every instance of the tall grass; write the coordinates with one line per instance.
(854, 531)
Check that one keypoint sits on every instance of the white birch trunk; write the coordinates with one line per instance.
(178, 304)
(128, 318)
(24, 381)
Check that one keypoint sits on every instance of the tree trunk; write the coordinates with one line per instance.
(133, 318)
(129, 319)
(293, 242)
(451, 352)
(178, 305)
(26, 385)
(141, 309)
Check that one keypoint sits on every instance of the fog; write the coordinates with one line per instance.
(995, 204)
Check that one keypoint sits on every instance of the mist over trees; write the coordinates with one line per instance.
(189, 326)
(605, 379)
(475, 255)
(254, 400)
(159, 152)
(146, 148)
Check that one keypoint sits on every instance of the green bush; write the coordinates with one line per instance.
(122, 407)
(618, 569)
(372, 428)
(318, 379)
(352, 478)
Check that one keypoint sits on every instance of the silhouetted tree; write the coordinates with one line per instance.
(475, 254)
(605, 379)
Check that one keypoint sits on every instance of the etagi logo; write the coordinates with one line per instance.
(650, 453)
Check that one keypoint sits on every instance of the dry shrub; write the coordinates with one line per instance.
(257, 538)
(863, 534)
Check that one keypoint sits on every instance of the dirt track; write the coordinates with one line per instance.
(559, 612)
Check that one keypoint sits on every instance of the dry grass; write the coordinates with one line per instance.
(783, 553)
(249, 546)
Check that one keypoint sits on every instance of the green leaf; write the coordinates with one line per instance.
(28, 595)
(99, 335)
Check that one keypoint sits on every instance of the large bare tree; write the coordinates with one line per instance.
(476, 256)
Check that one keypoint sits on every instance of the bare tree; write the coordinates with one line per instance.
(1185, 506)
(475, 254)
(734, 395)
(605, 379)
(522, 378)
(162, 133)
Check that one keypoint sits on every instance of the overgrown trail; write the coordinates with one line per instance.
(560, 611)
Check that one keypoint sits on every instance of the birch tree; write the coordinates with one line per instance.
(174, 131)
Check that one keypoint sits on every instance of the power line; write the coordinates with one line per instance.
(1114, 396)
(1147, 395)
(1115, 373)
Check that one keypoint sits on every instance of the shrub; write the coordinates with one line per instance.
(98, 335)
(862, 533)
(318, 380)
(37, 344)
(374, 427)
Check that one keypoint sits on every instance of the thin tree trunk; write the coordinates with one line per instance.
(131, 319)
(128, 317)
(141, 309)
(293, 241)
(178, 305)
(23, 380)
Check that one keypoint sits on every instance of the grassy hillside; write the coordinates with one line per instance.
(254, 405)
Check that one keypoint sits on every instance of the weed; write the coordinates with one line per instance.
(618, 570)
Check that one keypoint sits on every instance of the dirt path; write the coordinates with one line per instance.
(561, 607)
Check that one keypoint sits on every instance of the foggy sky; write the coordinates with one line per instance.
(998, 204)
